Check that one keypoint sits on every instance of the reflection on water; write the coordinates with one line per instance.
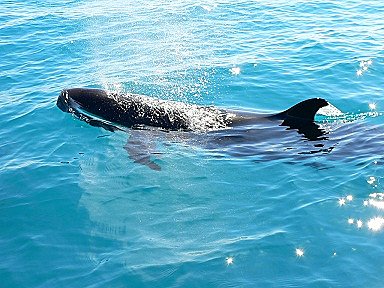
(363, 66)
(299, 252)
(376, 223)
(152, 214)
(376, 200)
(229, 261)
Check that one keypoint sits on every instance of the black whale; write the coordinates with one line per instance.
(239, 133)
(111, 111)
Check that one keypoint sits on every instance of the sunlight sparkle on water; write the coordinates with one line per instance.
(376, 203)
(372, 106)
(341, 201)
(235, 70)
(377, 195)
(364, 64)
(299, 252)
(376, 224)
(229, 261)
(359, 223)
(207, 8)
(351, 221)
(371, 180)
(349, 197)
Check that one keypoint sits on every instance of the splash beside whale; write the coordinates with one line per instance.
(113, 111)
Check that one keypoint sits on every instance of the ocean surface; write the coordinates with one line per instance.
(77, 211)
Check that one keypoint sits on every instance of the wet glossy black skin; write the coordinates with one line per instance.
(125, 111)
(135, 110)
(291, 135)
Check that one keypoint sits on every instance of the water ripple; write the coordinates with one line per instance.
(75, 210)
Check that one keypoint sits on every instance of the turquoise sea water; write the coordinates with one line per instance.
(76, 211)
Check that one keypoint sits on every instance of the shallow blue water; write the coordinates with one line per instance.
(76, 211)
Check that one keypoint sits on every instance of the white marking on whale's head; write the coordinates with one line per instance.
(329, 111)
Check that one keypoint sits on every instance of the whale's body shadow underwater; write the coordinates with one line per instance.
(292, 135)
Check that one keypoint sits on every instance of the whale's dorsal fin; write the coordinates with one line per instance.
(302, 116)
(305, 110)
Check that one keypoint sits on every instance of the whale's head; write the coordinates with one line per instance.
(71, 100)
(63, 101)
(93, 106)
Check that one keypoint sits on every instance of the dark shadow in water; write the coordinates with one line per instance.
(309, 130)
